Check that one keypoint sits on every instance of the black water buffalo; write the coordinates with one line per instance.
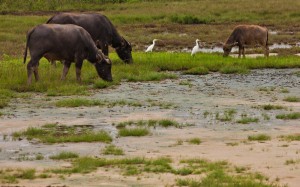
(101, 29)
(247, 35)
(69, 43)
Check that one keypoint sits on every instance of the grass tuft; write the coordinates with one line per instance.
(138, 131)
(247, 120)
(53, 133)
(197, 71)
(292, 99)
(272, 107)
(195, 141)
(292, 137)
(64, 155)
(112, 150)
(295, 115)
(259, 137)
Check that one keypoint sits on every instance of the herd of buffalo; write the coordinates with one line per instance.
(74, 37)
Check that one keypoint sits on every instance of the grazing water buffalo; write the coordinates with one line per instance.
(247, 35)
(69, 43)
(101, 29)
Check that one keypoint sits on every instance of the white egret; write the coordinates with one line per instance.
(150, 48)
(196, 48)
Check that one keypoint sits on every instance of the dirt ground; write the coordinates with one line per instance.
(190, 97)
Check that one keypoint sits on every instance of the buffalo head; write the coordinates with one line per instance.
(103, 66)
(124, 51)
(227, 48)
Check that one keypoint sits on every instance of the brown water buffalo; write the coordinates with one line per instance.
(243, 35)
(101, 30)
(68, 43)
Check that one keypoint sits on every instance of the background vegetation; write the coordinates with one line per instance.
(176, 23)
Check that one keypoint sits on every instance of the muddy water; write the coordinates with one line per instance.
(212, 94)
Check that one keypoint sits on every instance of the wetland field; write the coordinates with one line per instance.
(168, 119)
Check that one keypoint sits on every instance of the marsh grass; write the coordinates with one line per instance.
(292, 137)
(197, 71)
(272, 107)
(227, 115)
(146, 67)
(292, 99)
(294, 115)
(152, 123)
(78, 102)
(136, 131)
(196, 141)
(64, 155)
(292, 161)
(12, 176)
(53, 133)
(39, 156)
(247, 120)
(234, 70)
(259, 137)
(186, 83)
(112, 150)
(214, 173)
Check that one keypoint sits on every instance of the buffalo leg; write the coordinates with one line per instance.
(240, 51)
(32, 68)
(266, 51)
(243, 50)
(36, 72)
(65, 70)
(78, 70)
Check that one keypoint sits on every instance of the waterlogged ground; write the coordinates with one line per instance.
(199, 100)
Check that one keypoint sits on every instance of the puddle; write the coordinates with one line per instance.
(280, 46)
(218, 49)
(273, 32)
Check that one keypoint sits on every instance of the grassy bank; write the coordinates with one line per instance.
(147, 67)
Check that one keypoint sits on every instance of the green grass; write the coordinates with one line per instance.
(292, 162)
(197, 71)
(77, 102)
(218, 173)
(152, 123)
(64, 155)
(39, 157)
(234, 70)
(294, 115)
(12, 176)
(147, 67)
(272, 107)
(112, 150)
(259, 137)
(292, 137)
(137, 131)
(53, 133)
(292, 99)
(227, 115)
(247, 120)
(195, 141)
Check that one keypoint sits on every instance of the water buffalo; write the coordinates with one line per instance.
(101, 30)
(247, 35)
(69, 43)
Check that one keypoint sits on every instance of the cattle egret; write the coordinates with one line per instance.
(196, 48)
(150, 48)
